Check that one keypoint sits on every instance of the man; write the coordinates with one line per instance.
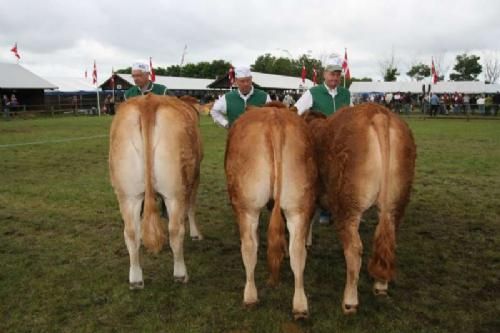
(143, 85)
(326, 98)
(434, 104)
(231, 105)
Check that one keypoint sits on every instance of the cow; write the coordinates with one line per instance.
(155, 150)
(366, 156)
(268, 157)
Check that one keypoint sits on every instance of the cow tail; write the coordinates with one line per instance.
(381, 265)
(276, 230)
(153, 230)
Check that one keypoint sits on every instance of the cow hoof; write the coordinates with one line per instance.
(196, 238)
(349, 309)
(181, 279)
(136, 285)
(250, 304)
(380, 292)
(300, 315)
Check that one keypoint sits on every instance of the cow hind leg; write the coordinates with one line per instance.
(248, 222)
(353, 248)
(130, 208)
(176, 230)
(194, 231)
(298, 228)
(382, 263)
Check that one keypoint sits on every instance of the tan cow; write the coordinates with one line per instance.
(366, 156)
(268, 157)
(155, 150)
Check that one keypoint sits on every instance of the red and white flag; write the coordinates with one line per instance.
(153, 76)
(434, 73)
(345, 67)
(94, 74)
(231, 76)
(14, 50)
(303, 74)
(315, 75)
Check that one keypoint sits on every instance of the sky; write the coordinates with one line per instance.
(62, 38)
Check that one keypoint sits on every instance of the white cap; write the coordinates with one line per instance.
(242, 71)
(140, 66)
(333, 63)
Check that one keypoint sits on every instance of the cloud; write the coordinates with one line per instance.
(63, 37)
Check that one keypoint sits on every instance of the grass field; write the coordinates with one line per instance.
(64, 264)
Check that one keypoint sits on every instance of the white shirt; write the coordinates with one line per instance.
(219, 110)
(305, 102)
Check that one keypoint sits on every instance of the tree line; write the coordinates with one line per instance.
(467, 68)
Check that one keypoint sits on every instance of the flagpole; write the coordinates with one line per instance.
(114, 83)
(98, 103)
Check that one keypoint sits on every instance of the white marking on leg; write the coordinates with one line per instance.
(249, 223)
(177, 214)
(297, 228)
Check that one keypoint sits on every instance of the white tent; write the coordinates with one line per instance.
(72, 84)
(14, 76)
(175, 83)
(273, 81)
(441, 87)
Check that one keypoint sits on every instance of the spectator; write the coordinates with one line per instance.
(434, 104)
(6, 106)
(488, 104)
(480, 104)
(496, 103)
(288, 100)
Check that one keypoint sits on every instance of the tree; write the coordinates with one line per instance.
(391, 74)
(419, 71)
(127, 70)
(388, 68)
(203, 69)
(491, 67)
(467, 68)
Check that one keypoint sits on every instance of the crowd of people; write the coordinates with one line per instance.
(434, 104)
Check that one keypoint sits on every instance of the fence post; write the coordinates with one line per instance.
(52, 110)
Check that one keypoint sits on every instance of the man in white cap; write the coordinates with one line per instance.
(231, 105)
(143, 85)
(328, 97)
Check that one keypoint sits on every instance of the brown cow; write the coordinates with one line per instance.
(155, 149)
(268, 157)
(366, 156)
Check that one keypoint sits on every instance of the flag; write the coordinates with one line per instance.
(153, 76)
(94, 74)
(303, 75)
(315, 75)
(112, 78)
(14, 50)
(434, 73)
(345, 67)
(231, 76)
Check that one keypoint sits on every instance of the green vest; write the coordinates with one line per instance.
(235, 105)
(323, 101)
(154, 88)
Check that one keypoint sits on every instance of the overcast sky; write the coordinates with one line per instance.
(62, 38)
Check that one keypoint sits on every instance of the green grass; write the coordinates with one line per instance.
(64, 264)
